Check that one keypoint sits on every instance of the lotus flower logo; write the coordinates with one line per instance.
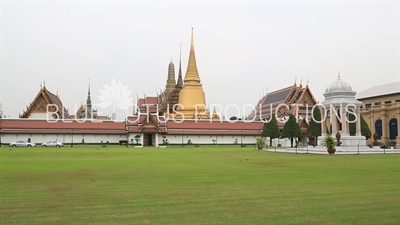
(116, 95)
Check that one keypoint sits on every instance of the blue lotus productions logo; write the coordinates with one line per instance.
(115, 95)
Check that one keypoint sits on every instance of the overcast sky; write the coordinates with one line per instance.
(242, 49)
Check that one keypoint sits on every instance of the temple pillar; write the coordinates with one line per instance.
(358, 122)
(323, 124)
(334, 123)
(156, 140)
(344, 122)
(385, 127)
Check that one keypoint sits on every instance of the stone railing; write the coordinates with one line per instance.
(382, 106)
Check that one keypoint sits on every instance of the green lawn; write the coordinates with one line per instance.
(204, 185)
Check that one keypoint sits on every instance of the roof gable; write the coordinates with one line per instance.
(46, 101)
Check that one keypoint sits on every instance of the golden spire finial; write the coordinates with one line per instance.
(295, 80)
(192, 40)
(192, 74)
(308, 79)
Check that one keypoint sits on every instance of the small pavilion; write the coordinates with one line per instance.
(339, 103)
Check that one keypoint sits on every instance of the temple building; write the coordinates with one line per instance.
(178, 116)
(45, 105)
(283, 102)
(381, 111)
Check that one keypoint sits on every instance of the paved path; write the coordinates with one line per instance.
(339, 151)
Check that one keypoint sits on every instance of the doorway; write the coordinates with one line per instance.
(149, 139)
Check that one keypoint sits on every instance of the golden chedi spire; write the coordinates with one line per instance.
(192, 74)
(192, 97)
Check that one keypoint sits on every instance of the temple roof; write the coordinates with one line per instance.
(278, 96)
(72, 126)
(289, 95)
(80, 108)
(44, 99)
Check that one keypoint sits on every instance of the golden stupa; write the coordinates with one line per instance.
(192, 104)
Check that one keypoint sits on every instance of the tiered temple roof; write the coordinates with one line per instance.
(283, 102)
(46, 102)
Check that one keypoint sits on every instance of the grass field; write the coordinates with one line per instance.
(204, 185)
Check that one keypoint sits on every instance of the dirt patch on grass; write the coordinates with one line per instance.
(146, 221)
(7, 212)
(53, 219)
(61, 190)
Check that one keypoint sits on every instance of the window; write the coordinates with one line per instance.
(377, 103)
(378, 127)
(368, 105)
(388, 102)
(398, 100)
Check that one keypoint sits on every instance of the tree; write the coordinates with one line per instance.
(314, 128)
(291, 129)
(137, 138)
(271, 129)
(365, 131)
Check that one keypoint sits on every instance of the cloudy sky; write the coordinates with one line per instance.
(243, 49)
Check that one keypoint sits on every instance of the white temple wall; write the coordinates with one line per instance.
(64, 138)
(208, 139)
(116, 138)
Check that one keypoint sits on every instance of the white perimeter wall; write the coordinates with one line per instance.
(65, 138)
(112, 138)
(208, 139)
